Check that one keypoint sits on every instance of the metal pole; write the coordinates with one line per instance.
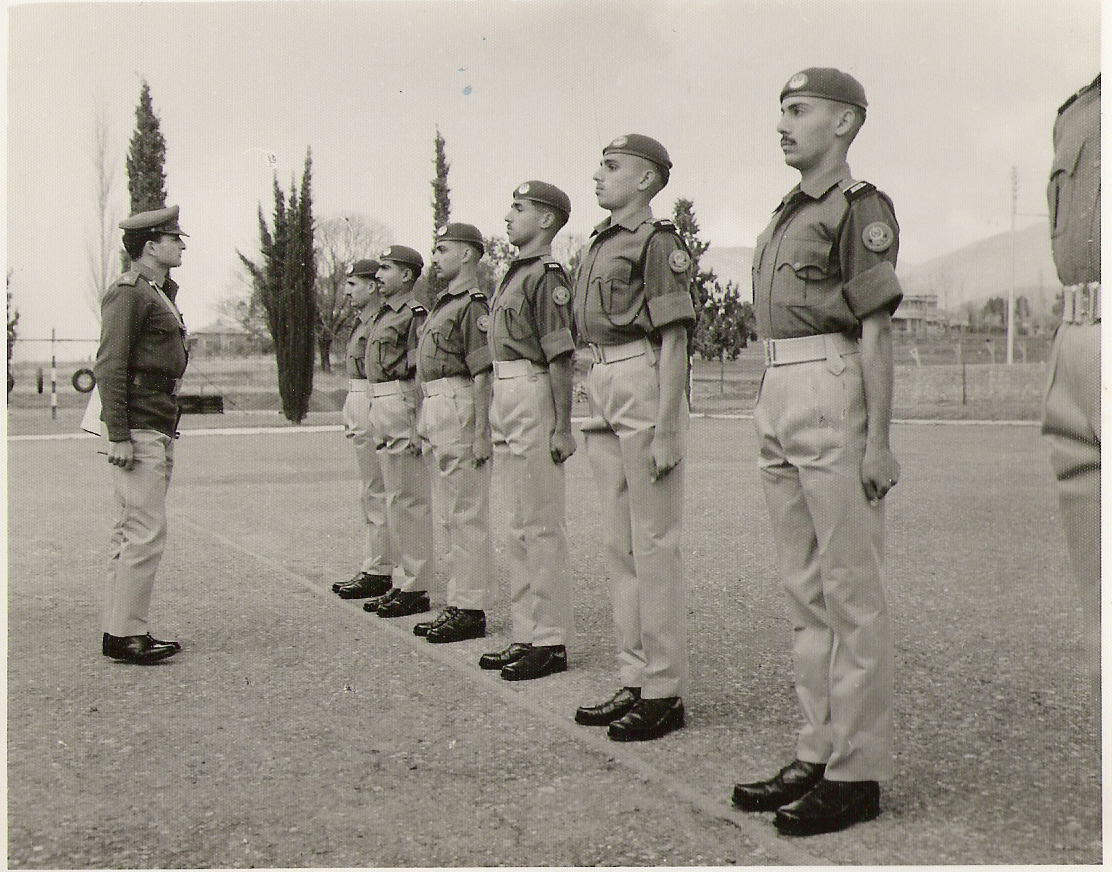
(53, 380)
(1011, 287)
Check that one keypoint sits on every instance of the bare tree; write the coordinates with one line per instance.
(341, 241)
(100, 251)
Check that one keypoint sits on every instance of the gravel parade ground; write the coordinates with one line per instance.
(296, 730)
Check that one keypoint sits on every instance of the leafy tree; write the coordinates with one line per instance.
(441, 203)
(100, 251)
(994, 313)
(287, 282)
(340, 242)
(146, 158)
(493, 266)
(723, 324)
(13, 322)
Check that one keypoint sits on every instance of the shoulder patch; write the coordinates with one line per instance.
(877, 236)
(561, 296)
(858, 190)
(679, 261)
(482, 322)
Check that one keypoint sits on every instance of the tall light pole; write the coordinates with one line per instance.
(1011, 287)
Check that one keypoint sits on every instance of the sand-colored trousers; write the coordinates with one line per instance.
(377, 559)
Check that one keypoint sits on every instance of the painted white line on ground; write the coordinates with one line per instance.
(759, 833)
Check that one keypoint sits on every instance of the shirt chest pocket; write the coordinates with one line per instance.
(163, 324)
(515, 317)
(619, 293)
(806, 264)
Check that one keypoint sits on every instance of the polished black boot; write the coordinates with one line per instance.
(648, 719)
(463, 625)
(364, 585)
(539, 661)
(421, 628)
(605, 713)
(503, 658)
(405, 602)
(789, 784)
(829, 807)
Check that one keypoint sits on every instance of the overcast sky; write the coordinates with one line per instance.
(959, 92)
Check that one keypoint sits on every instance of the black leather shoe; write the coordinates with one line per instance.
(830, 806)
(175, 645)
(505, 657)
(463, 625)
(539, 661)
(649, 719)
(618, 706)
(789, 784)
(142, 650)
(373, 605)
(405, 602)
(422, 628)
(364, 585)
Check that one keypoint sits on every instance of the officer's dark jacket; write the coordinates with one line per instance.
(1073, 194)
(138, 334)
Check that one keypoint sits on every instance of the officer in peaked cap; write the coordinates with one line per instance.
(632, 306)
(139, 366)
(531, 343)
(453, 367)
(824, 290)
(373, 577)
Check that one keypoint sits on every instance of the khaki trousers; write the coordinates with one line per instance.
(139, 536)
(1071, 423)
(522, 419)
(643, 523)
(406, 482)
(377, 559)
(447, 422)
(810, 420)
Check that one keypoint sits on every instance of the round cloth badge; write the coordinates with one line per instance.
(482, 321)
(679, 260)
(877, 237)
(797, 81)
(561, 296)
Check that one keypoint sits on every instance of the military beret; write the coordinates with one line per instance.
(156, 221)
(459, 232)
(825, 82)
(542, 192)
(404, 255)
(642, 146)
(366, 268)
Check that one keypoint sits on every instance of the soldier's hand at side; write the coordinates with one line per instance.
(879, 472)
(121, 454)
(414, 446)
(481, 449)
(562, 445)
(666, 453)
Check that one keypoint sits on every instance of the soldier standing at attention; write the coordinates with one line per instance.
(139, 367)
(453, 366)
(824, 290)
(632, 304)
(390, 365)
(1071, 413)
(373, 578)
(532, 345)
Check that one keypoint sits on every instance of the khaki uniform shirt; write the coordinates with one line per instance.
(391, 353)
(634, 279)
(141, 331)
(357, 342)
(453, 341)
(1074, 190)
(530, 316)
(827, 261)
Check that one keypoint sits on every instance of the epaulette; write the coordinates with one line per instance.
(129, 277)
(1073, 98)
(476, 294)
(418, 308)
(555, 266)
(858, 190)
(665, 224)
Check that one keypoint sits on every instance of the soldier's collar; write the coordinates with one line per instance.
(458, 291)
(529, 258)
(149, 274)
(630, 222)
(397, 301)
(816, 188)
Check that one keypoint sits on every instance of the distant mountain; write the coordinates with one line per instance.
(984, 269)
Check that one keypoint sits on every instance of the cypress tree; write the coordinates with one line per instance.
(286, 282)
(441, 203)
(146, 158)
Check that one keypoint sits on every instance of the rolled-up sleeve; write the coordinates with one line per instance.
(870, 243)
(553, 318)
(476, 349)
(667, 287)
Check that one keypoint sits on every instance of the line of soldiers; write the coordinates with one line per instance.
(434, 395)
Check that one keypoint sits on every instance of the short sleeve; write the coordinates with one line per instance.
(551, 300)
(475, 323)
(869, 244)
(668, 274)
